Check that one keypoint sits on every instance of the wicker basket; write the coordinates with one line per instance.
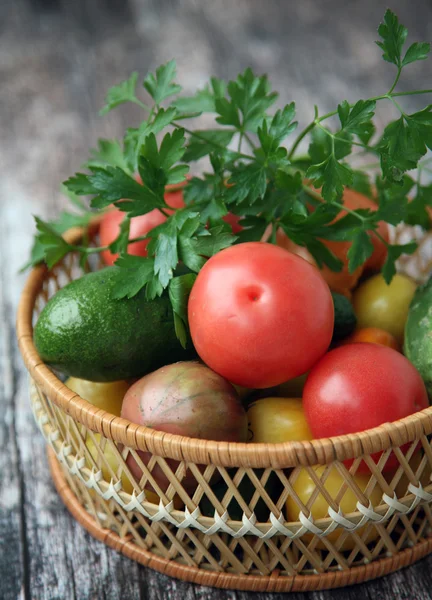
(213, 532)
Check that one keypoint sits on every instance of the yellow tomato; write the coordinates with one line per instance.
(377, 304)
(107, 396)
(304, 487)
(110, 464)
(275, 420)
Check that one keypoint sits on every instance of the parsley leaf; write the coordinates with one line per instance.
(120, 244)
(404, 142)
(360, 250)
(416, 210)
(111, 184)
(353, 120)
(393, 253)
(161, 84)
(250, 98)
(332, 176)
(134, 274)
(253, 229)
(179, 290)
(417, 51)
(121, 93)
(108, 152)
(393, 200)
(51, 245)
(204, 100)
(393, 35)
(271, 133)
(249, 182)
(164, 243)
(361, 183)
(321, 146)
(203, 142)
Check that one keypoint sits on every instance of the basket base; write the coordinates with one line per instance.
(272, 583)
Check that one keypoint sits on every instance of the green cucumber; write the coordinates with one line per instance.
(83, 332)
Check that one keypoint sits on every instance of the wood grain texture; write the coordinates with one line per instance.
(57, 58)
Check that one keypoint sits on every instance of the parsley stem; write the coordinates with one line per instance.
(240, 142)
(317, 120)
(414, 93)
(316, 196)
(215, 144)
(300, 137)
(97, 249)
(334, 137)
(249, 141)
(393, 101)
(144, 106)
(395, 81)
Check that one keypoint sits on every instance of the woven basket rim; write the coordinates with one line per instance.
(226, 454)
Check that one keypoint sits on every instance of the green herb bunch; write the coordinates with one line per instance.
(256, 174)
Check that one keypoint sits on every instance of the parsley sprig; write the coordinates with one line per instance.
(256, 173)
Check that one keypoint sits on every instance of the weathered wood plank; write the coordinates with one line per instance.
(57, 60)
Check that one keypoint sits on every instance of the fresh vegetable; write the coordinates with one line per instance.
(260, 315)
(263, 182)
(84, 332)
(373, 335)
(274, 420)
(304, 486)
(108, 396)
(189, 399)
(110, 227)
(360, 386)
(344, 317)
(418, 337)
(382, 305)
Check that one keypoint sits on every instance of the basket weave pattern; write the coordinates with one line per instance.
(219, 507)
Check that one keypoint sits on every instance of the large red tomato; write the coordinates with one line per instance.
(358, 387)
(110, 226)
(260, 315)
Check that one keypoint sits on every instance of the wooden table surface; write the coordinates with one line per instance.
(57, 58)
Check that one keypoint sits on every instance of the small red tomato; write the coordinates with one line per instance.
(233, 220)
(260, 315)
(110, 226)
(358, 387)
